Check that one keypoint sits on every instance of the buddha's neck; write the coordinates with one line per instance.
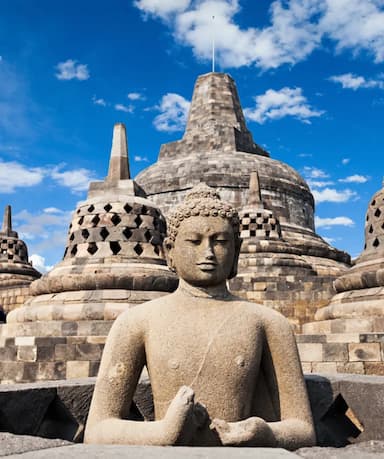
(217, 291)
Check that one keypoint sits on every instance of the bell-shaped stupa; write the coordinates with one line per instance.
(271, 270)
(355, 315)
(113, 261)
(16, 272)
(218, 149)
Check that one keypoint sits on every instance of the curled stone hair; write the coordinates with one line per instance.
(202, 201)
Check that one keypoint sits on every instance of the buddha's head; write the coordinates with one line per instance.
(203, 242)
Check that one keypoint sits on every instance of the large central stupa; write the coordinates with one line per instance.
(218, 149)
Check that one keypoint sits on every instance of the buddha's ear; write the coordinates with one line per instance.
(168, 247)
(233, 273)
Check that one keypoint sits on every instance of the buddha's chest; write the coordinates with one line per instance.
(212, 353)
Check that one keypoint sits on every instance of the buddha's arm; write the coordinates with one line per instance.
(286, 385)
(122, 362)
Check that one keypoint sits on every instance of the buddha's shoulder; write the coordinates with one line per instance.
(266, 315)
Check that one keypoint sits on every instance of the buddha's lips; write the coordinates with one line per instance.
(207, 265)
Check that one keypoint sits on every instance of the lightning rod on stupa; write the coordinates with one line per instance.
(213, 44)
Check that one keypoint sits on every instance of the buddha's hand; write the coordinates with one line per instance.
(250, 432)
(183, 417)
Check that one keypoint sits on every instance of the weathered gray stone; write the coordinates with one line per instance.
(365, 450)
(11, 444)
(153, 452)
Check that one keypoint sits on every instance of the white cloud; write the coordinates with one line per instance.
(173, 113)
(135, 96)
(38, 262)
(335, 221)
(77, 180)
(72, 70)
(355, 179)
(162, 8)
(274, 105)
(329, 240)
(40, 225)
(319, 183)
(296, 29)
(345, 161)
(351, 81)
(124, 108)
(14, 175)
(99, 101)
(332, 195)
(52, 210)
(139, 159)
(314, 172)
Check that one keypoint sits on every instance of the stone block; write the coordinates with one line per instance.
(307, 367)
(64, 352)
(77, 369)
(374, 368)
(364, 352)
(27, 353)
(324, 367)
(310, 352)
(343, 338)
(88, 351)
(351, 367)
(24, 341)
(333, 352)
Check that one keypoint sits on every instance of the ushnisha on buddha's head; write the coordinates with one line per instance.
(203, 242)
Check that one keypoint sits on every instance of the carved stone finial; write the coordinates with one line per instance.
(7, 223)
(118, 164)
(254, 198)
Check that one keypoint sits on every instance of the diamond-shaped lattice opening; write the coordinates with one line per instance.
(71, 237)
(367, 217)
(370, 229)
(128, 208)
(144, 210)
(382, 226)
(85, 233)
(95, 220)
(91, 208)
(245, 227)
(78, 211)
(259, 226)
(252, 233)
(377, 213)
(81, 220)
(107, 207)
(70, 226)
(104, 233)
(373, 203)
(157, 250)
(148, 235)
(138, 249)
(365, 246)
(92, 248)
(115, 219)
(127, 233)
(376, 243)
(74, 250)
(138, 220)
(65, 252)
(115, 247)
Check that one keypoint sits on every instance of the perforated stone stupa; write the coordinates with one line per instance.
(271, 270)
(16, 272)
(217, 148)
(113, 260)
(354, 317)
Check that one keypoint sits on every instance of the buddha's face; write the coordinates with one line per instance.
(203, 253)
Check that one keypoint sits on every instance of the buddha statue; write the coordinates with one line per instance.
(224, 371)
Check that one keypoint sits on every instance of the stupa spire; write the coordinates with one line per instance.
(254, 198)
(7, 222)
(118, 163)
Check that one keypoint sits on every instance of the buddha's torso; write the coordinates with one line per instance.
(210, 345)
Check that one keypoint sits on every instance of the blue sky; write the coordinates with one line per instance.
(310, 75)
